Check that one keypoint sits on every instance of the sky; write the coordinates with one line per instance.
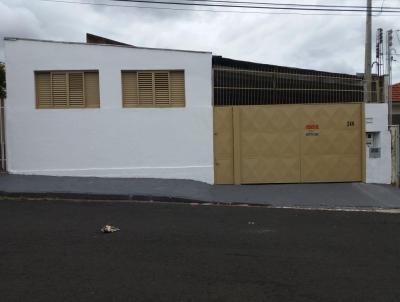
(321, 42)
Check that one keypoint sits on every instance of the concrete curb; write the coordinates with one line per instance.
(79, 197)
(118, 197)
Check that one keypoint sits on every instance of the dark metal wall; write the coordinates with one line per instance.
(246, 83)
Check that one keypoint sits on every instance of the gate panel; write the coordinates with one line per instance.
(288, 143)
(331, 143)
(223, 145)
(269, 144)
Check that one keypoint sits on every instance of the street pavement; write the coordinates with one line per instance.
(54, 251)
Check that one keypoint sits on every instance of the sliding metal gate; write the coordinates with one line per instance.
(289, 143)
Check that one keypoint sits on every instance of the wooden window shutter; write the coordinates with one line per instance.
(177, 83)
(59, 88)
(43, 90)
(69, 89)
(161, 88)
(92, 89)
(146, 89)
(130, 95)
(76, 95)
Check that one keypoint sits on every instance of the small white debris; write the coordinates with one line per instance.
(109, 229)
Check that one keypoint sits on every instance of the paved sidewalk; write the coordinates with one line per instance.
(335, 195)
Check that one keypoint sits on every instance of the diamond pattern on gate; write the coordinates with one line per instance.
(331, 168)
(334, 155)
(269, 170)
(269, 144)
(264, 118)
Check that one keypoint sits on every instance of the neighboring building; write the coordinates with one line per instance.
(396, 104)
(114, 110)
(396, 92)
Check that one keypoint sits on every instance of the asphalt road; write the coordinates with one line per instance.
(53, 251)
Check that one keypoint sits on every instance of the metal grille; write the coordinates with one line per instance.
(265, 86)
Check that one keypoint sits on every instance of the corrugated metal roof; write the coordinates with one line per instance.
(227, 62)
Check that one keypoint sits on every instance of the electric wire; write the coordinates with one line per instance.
(212, 10)
(294, 5)
(395, 10)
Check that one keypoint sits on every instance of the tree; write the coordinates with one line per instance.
(2, 81)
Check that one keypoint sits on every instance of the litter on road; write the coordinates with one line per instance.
(109, 229)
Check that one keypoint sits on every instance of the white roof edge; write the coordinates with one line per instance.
(95, 44)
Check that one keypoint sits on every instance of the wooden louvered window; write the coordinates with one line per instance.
(67, 89)
(153, 88)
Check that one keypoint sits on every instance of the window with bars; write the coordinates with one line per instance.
(153, 88)
(67, 89)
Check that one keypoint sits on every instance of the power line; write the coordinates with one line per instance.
(211, 10)
(254, 6)
(377, 14)
(294, 5)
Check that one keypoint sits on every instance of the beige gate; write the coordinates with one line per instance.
(288, 143)
(223, 145)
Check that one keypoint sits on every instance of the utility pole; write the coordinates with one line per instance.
(368, 54)
(389, 44)
(379, 52)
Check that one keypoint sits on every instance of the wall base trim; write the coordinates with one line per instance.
(199, 173)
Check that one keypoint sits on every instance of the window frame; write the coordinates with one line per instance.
(153, 72)
(67, 72)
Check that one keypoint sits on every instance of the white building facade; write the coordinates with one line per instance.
(378, 166)
(112, 140)
(109, 141)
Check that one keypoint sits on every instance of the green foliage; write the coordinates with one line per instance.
(2, 81)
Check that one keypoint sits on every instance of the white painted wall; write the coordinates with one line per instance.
(378, 170)
(110, 141)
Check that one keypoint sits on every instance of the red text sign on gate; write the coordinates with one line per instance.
(312, 130)
(312, 127)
